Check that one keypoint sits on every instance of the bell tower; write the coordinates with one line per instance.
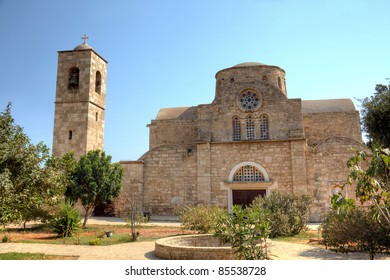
(80, 101)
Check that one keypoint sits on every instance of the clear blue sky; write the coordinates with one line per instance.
(166, 53)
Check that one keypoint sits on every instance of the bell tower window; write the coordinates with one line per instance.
(98, 82)
(74, 75)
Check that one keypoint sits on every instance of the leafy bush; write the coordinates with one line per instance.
(201, 218)
(67, 221)
(246, 230)
(95, 242)
(355, 230)
(6, 239)
(288, 213)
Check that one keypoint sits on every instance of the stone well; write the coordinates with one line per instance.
(193, 247)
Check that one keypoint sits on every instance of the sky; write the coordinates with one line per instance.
(165, 54)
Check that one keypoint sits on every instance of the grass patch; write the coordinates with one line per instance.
(33, 256)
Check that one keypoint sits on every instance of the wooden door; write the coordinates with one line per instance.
(245, 197)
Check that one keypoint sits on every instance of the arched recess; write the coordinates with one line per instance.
(249, 187)
(248, 163)
(74, 77)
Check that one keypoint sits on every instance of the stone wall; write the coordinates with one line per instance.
(274, 156)
(176, 131)
(169, 179)
(193, 247)
(327, 170)
(70, 117)
(319, 126)
(132, 188)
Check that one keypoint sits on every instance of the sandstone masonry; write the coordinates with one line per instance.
(251, 139)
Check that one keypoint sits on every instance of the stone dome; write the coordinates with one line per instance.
(84, 46)
(248, 64)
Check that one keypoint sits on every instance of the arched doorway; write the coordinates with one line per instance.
(246, 181)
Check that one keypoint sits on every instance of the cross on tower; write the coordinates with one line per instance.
(85, 38)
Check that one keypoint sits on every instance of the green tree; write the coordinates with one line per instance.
(372, 177)
(375, 112)
(95, 180)
(28, 180)
(67, 164)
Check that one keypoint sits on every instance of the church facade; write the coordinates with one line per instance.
(252, 139)
(249, 141)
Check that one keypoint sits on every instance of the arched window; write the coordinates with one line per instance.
(264, 130)
(248, 173)
(279, 83)
(73, 81)
(250, 128)
(236, 129)
(70, 135)
(264, 78)
(98, 82)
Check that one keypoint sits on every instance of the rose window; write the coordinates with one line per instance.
(249, 100)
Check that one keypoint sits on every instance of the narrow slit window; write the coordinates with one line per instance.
(97, 116)
(70, 135)
(98, 82)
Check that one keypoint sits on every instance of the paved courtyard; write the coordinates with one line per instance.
(145, 250)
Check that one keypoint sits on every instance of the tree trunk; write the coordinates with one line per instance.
(86, 216)
(372, 253)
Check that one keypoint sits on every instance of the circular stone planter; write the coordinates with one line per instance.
(193, 247)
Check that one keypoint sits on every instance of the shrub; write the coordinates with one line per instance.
(96, 241)
(288, 213)
(201, 218)
(246, 230)
(6, 238)
(67, 221)
(355, 230)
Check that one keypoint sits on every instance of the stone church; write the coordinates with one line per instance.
(250, 140)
